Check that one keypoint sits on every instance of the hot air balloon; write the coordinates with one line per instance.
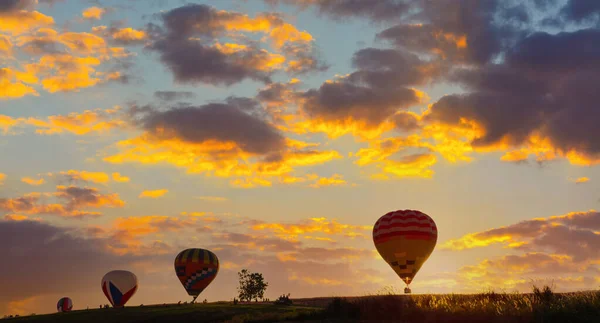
(405, 239)
(119, 286)
(64, 305)
(196, 269)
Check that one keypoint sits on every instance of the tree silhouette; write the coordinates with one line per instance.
(252, 286)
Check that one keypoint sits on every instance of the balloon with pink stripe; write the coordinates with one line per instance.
(405, 239)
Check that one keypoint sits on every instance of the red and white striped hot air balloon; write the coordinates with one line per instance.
(405, 239)
(119, 286)
(64, 304)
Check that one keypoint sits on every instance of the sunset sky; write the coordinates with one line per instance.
(276, 132)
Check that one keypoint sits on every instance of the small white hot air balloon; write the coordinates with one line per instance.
(119, 286)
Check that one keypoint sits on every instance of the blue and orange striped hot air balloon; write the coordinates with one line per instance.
(64, 304)
(405, 239)
(118, 286)
(196, 269)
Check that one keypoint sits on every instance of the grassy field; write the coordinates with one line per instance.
(212, 312)
(542, 306)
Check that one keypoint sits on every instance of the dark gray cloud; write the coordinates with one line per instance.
(185, 42)
(14, 5)
(340, 9)
(226, 122)
(339, 101)
(581, 10)
(469, 31)
(192, 62)
(374, 92)
(390, 68)
(193, 19)
(173, 95)
(406, 122)
(546, 86)
(41, 259)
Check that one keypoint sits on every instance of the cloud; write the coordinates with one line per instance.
(580, 229)
(75, 269)
(16, 22)
(93, 13)
(87, 197)
(32, 181)
(398, 157)
(153, 193)
(13, 84)
(520, 272)
(65, 61)
(117, 177)
(212, 198)
(335, 180)
(580, 11)
(2, 178)
(341, 9)
(534, 100)
(6, 123)
(66, 201)
(189, 45)
(5, 46)
(128, 36)
(233, 139)
(365, 102)
(85, 176)
(89, 122)
(15, 5)
(314, 226)
(581, 180)
(201, 124)
(173, 95)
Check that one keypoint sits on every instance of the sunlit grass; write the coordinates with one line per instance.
(542, 305)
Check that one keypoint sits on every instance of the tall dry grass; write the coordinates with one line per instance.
(542, 305)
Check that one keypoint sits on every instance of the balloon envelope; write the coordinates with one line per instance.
(196, 269)
(64, 305)
(405, 239)
(119, 286)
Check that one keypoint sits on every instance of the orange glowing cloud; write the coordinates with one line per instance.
(222, 159)
(455, 141)
(94, 177)
(88, 122)
(33, 182)
(87, 197)
(335, 180)
(68, 60)
(153, 193)
(93, 13)
(2, 178)
(526, 234)
(6, 123)
(22, 21)
(16, 217)
(66, 201)
(313, 225)
(12, 84)
(117, 177)
(285, 33)
(129, 35)
(381, 154)
(79, 72)
(5, 46)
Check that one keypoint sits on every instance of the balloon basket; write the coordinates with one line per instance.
(407, 290)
